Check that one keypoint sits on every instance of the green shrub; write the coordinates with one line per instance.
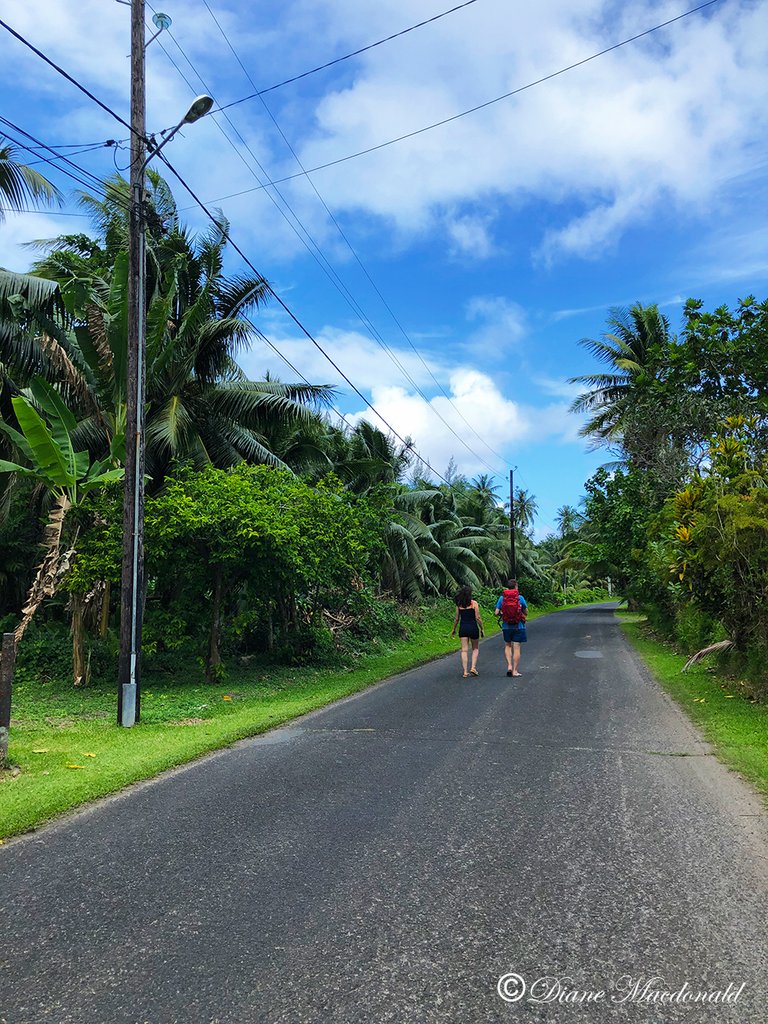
(695, 629)
(44, 654)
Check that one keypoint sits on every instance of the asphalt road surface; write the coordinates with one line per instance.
(392, 857)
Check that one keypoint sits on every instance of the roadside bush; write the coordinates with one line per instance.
(45, 653)
(537, 592)
(695, 629)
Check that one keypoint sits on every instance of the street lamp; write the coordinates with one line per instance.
(132, 583)
(198, 108)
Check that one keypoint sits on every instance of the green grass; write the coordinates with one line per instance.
(724, 710)
(55, 726)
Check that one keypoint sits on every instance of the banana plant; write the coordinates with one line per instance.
(45, 444)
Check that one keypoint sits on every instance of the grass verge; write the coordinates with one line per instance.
(66, 750)
(733, 722)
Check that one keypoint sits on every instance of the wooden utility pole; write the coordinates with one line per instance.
(132, 586)
(7, 660)
(512, 556)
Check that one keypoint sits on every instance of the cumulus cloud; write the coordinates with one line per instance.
(476, 420)
(649, 125)
(360, 358)
(19, 229)
(652, 127)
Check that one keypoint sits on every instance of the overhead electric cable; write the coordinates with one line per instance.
(213, 219)
(347, 56)
(364, 269)
(65, 74)
(78, 174)
(286, 309)
(318, 254)
(77, 152)
(472, 110)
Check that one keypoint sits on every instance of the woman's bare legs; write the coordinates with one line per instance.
(475, 645)
(464, 652)
(508, 655)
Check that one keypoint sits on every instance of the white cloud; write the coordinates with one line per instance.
(471, 236)
(475, 425)
(477, 412)
(640, 133)
(20, 228)
(637, 131)
(364, 361)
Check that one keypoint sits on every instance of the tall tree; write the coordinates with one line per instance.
(634, 348)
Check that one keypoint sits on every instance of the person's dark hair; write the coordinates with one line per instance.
(464, 597)
(512, 584)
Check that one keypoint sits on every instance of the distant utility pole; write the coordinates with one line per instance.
(512, 558)
(132, 586)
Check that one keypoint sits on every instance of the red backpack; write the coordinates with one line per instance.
(511, 610)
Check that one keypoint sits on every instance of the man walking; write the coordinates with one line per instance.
(512, 608)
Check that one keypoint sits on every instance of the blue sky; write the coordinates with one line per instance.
(497, 240)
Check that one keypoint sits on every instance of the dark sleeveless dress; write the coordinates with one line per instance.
(468, 623)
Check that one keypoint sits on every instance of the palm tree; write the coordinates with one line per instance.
(568, 518)
(525, 510)
(634, 348)
(21, 185)
(366, 457)
(201, 408)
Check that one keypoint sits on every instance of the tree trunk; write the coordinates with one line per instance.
(79, 661)
(213, 663)
(270, 631)
(104, 619)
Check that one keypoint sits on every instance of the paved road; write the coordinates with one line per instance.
(391, 857)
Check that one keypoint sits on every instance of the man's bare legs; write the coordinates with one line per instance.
(512, 654)
(516, 660)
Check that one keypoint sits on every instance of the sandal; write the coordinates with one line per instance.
(466, 675)
(474, 672)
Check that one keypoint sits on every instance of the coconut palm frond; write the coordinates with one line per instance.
(723, 645)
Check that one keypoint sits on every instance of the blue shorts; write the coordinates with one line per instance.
(514, 634)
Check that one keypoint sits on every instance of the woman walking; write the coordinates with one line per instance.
(470, 628)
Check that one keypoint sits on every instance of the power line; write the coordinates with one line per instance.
(83, 181)
(291, 314)
(78, 174)
(64, 74)
(338, 60)
(47, 213)
(370, 279)
(319, 256)
(82, 88)
(259, 333)
(472, 110)
(76, 152)
(95, 180)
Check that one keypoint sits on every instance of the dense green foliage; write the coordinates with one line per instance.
(681, 523)
(270, 531)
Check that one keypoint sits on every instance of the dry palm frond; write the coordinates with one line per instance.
(52, 567)
(97, 330)
(723, 645)
(66, 370)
